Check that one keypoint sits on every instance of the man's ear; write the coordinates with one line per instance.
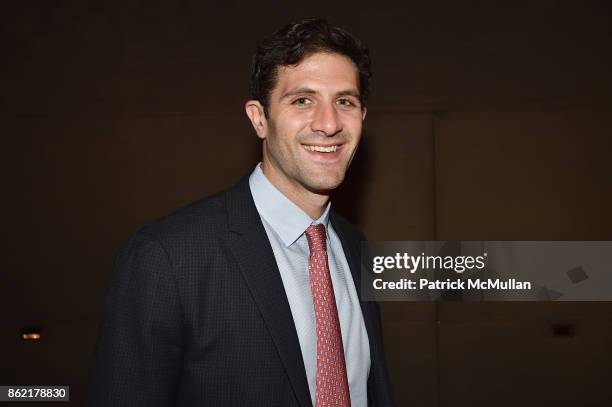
(255, 111)
(363, 113)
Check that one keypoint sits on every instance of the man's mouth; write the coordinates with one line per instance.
(321, 149)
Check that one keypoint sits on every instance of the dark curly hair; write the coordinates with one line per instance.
(296, 41)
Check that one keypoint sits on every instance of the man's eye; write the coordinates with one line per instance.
(346, 102)
(301, 101)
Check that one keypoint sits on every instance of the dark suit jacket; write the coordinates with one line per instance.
(196, 315)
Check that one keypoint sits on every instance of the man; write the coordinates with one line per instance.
(251, 297)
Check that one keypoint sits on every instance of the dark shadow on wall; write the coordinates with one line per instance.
(349, 199)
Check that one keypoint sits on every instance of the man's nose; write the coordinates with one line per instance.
(326, 120)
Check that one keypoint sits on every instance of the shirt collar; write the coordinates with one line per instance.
(287, 219)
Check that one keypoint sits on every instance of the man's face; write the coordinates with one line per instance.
(314, 124)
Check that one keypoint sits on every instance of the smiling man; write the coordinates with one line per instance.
(251, 297)
(311, 127)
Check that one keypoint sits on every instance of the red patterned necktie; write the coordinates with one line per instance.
(332, 384)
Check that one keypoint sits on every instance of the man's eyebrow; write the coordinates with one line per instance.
(349, 92)
(299, 91)
(309, 91)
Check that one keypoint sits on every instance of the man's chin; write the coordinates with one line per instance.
(324, 187)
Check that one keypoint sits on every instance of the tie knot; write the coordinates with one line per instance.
(316, 237)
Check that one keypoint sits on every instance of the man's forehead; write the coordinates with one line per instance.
(319, 72)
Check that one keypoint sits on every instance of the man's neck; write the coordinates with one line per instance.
(312, 203)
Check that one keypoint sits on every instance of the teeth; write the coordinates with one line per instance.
(321, 149)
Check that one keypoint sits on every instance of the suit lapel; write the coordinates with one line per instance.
(253, 252)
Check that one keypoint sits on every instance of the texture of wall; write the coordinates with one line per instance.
(486, 122)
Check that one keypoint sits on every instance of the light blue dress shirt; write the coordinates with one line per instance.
(286, 223)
